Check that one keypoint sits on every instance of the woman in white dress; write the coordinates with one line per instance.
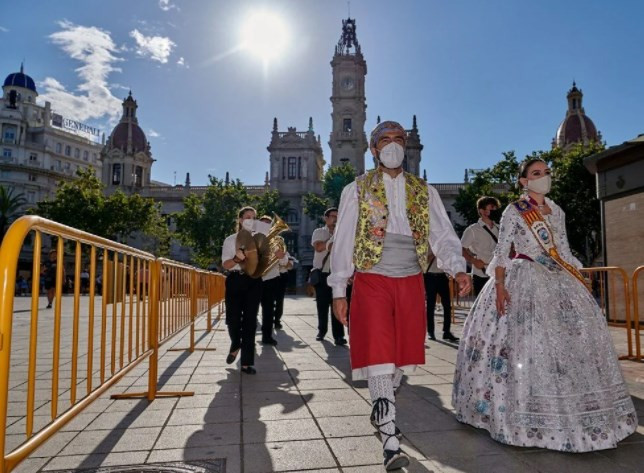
(536, 365)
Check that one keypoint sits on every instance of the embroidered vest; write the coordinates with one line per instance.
(373, 215)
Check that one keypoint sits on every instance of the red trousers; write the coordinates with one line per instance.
(388, 323)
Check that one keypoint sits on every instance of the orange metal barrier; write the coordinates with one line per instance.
(151, 300)
(636, 309)
(610, 287)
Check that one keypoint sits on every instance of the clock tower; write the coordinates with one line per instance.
(348, 141)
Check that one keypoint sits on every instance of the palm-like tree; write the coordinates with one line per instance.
(9, 205)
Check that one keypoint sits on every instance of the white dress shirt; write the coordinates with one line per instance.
(321, 234)
(228, 250)
(442, 238)
(275, 270)
(480, 243)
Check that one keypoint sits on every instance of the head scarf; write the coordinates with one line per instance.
(384, 127)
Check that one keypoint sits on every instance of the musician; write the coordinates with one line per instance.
(243, 295)
(279, 305)
(271, 290)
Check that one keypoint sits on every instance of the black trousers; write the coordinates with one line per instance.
(243, 295)
(279, 303)
(438, 283)
(478, 282)
(270, 294)
(324, 299)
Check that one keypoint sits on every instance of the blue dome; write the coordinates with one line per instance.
(20, 79)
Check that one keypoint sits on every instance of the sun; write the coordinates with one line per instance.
(265, 35)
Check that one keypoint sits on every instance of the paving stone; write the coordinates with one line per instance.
(205, 415)
(191, 436)
(107, 441)
(231, 453)
(95, 460)
(287, 456)
(280, 431)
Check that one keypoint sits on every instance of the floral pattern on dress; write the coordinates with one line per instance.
(545, 374)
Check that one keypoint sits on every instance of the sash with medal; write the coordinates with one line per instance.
(544, 236)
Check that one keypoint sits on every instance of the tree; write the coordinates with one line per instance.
(497, 181)
(9, 205)
(269, 203)
(334, 181)
(208, 219)
(82, 204)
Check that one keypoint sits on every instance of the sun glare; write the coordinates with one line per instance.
(265, 35)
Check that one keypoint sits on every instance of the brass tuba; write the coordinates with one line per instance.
(260, 248)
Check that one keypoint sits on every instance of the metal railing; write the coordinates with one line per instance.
(636, 309)
(141, 304)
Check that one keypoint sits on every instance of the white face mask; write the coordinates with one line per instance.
(392, 155)
(248, 224)
(541, 185)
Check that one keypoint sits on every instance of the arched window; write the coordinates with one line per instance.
(292, 216)
(68, 150)
(116, 173)
(59, 148)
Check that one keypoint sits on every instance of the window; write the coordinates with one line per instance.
(33, 157)
(5, 174)
(6, 152)
(32, 178)
(116, 173)
(138, 176)
(299, 167)
(346, 125)
(59, 148)
(292, 167)
(94, 156)
(68, 150)
(283, 168)
(85, 155)
(76, 153)
(31, 197)
(58, 165)
(9, 133)
(292, 216)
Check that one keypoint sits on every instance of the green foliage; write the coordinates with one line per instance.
(497, 181)
(334, 181)
(208, 219)
(82, 204)
(9, 205)
(269, 203)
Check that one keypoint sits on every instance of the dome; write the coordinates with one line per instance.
(20, 79)
(120, 134)
(576, 128)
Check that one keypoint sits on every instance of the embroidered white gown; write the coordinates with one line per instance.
(545, 374)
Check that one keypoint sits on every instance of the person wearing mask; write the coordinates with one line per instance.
(321, 242)
(536, 366)
(243, 295)
(386, 222)
(479, 240)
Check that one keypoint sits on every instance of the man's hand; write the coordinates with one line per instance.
(478, 263)
(340, 309)
(464, 283)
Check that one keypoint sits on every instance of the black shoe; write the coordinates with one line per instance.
(450, 338)
(48, 306)
(319, 337)
(431, 336)
(340, 341)
(269, 341)
(395, 459)
(278, 326)
(249, 370)
(232, 356)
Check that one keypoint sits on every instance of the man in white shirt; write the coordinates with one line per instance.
(479, 240)
(321, 242)
(386, 221)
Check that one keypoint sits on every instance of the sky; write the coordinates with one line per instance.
(481, 77)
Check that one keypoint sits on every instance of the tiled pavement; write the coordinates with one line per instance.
(301, 412)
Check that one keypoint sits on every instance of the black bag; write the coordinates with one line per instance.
(314, 277)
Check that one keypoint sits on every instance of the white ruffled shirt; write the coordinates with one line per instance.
(442, 238)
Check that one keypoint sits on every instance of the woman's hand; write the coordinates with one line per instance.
(240, 255)
(502, 298)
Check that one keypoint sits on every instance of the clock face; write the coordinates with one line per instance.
(347, 83)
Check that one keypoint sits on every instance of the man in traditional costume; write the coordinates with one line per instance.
(386, 221)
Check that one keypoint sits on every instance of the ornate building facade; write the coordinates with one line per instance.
(576, 127)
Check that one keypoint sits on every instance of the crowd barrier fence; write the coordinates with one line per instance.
(144, 302)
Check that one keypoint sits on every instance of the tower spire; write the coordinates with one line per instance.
(311, 124)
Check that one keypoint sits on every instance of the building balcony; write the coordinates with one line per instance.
(6, 141)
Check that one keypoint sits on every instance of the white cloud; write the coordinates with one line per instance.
(96, 51)
(3, 29)
(182, 62)
(165, 5)
(153, 134)
(157, 48)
